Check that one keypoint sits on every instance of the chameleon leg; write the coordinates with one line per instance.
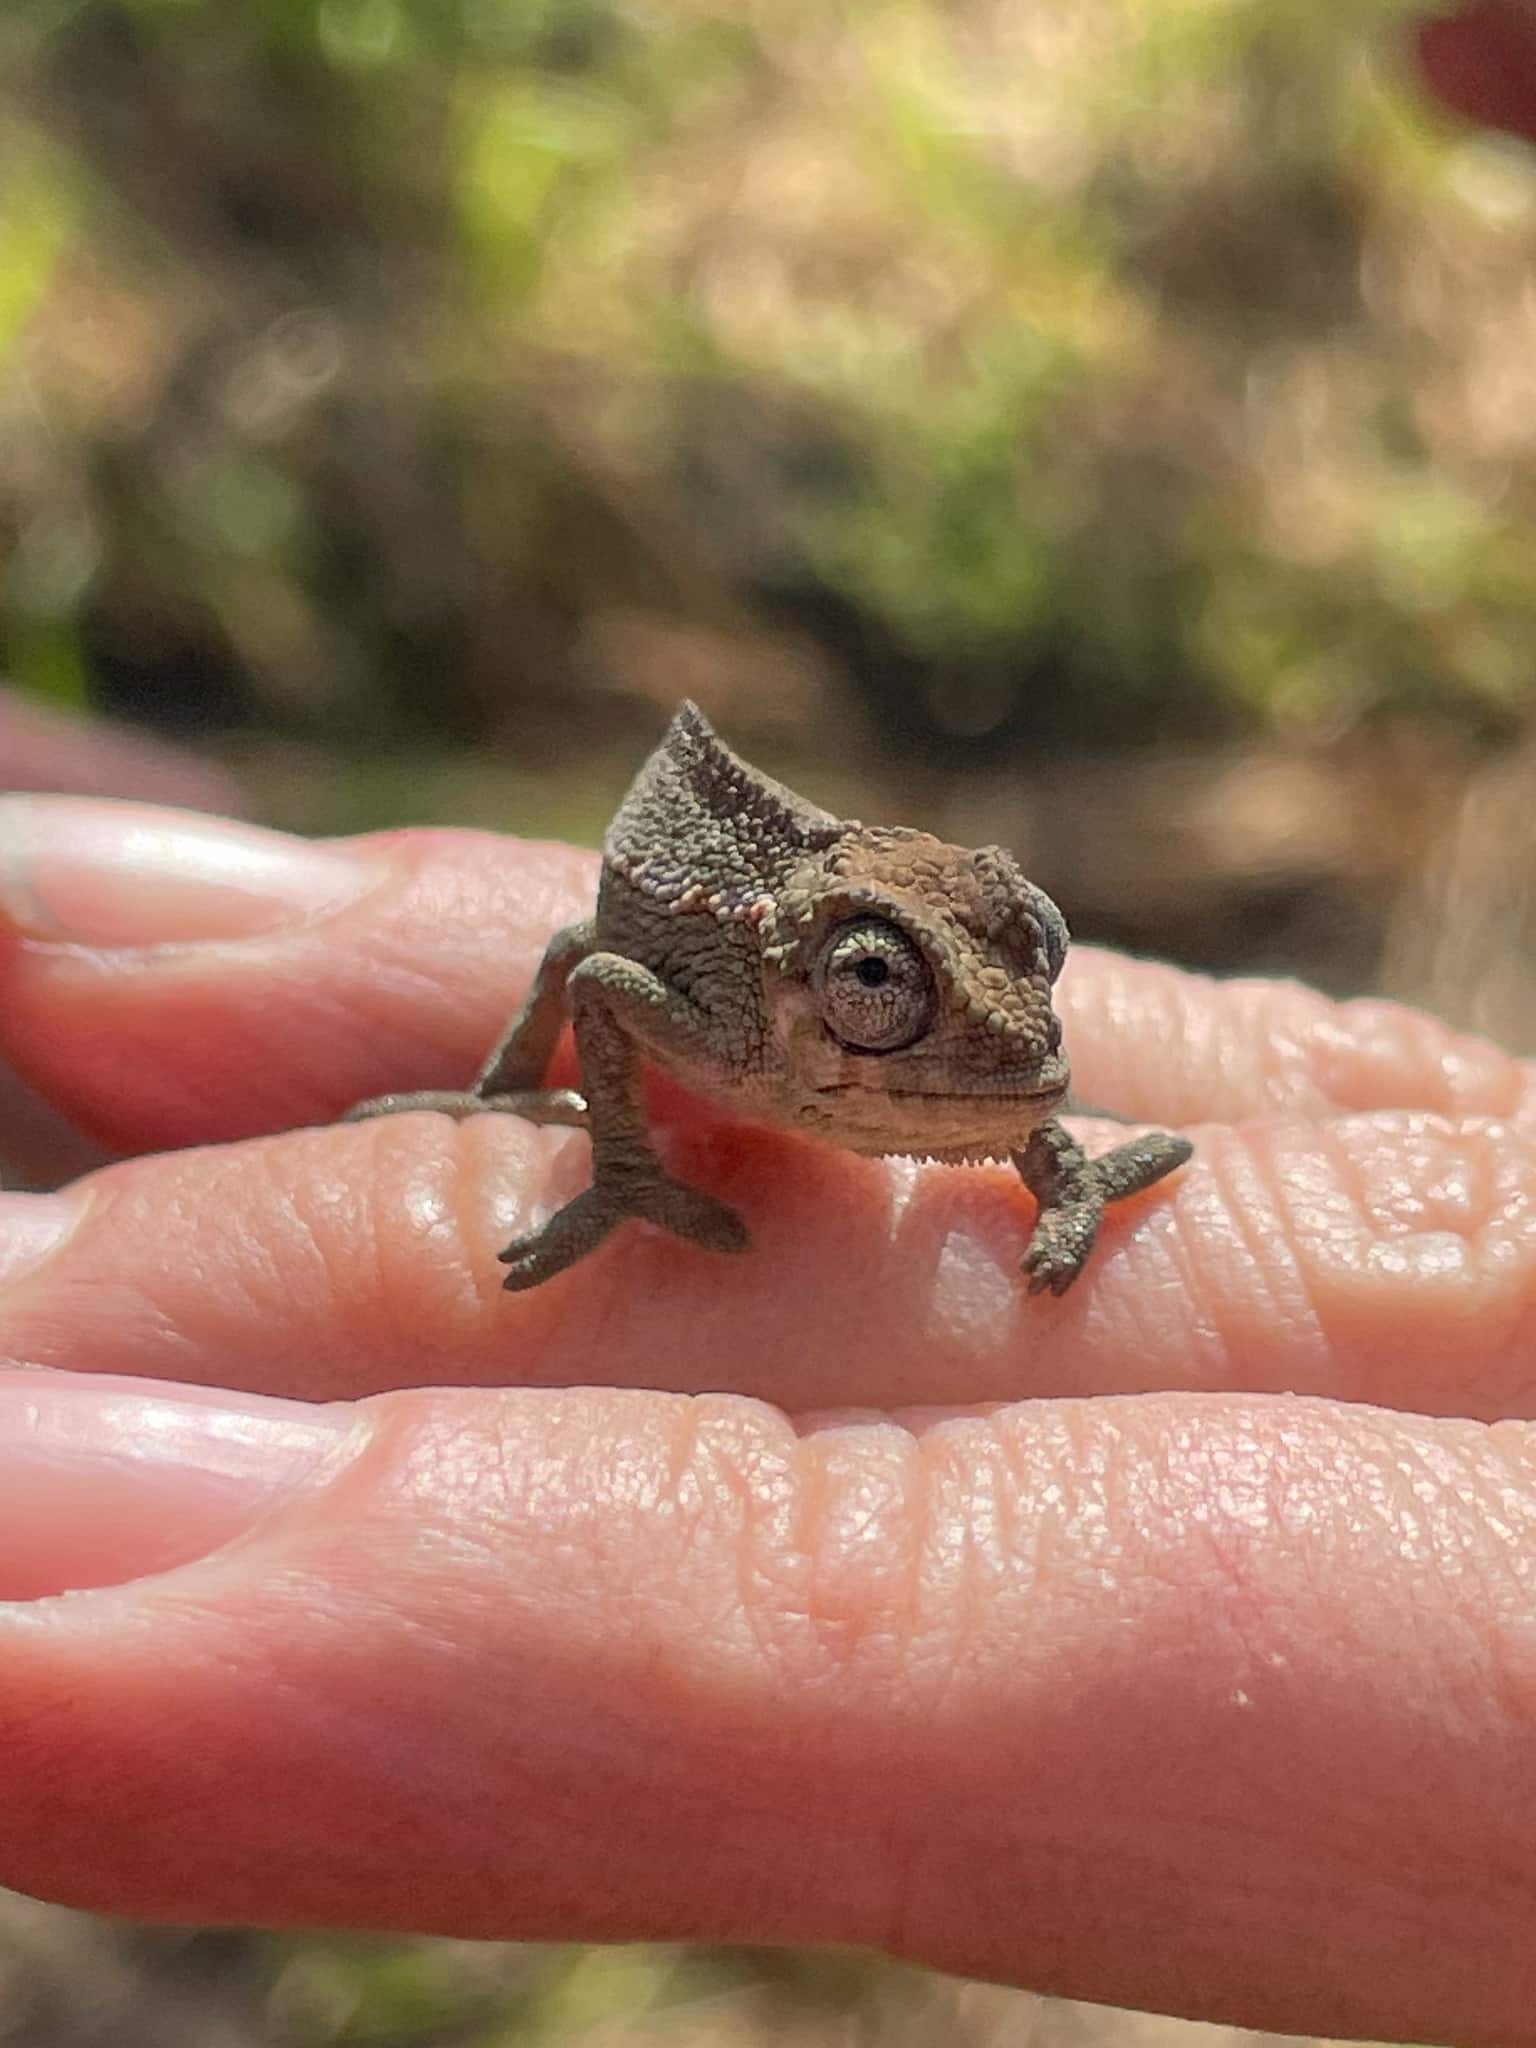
(522, 1059)
(620, 1011)
(1072, 1190)
(512, 1078)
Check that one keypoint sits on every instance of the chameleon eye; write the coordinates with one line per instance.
(1053, 930)
(876, 989)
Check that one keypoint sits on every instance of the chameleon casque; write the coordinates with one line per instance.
(868, 985)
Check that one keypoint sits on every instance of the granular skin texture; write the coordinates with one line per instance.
(870, 985)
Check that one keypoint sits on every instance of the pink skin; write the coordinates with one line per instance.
(1212, 1699)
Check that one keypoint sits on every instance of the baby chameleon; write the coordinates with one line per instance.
(867, 984)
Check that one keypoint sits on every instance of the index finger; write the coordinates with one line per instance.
(170, 979)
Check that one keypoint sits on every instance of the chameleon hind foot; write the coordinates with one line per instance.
(583, 1223)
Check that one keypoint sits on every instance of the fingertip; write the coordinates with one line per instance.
(105, 1480)
(1153, 1042)
(112, 875)
(400, 980)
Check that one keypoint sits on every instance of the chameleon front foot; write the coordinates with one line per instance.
(583, 1223)
(563, 1106)
(1072, 1191)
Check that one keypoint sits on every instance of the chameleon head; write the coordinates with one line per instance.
(908, 988)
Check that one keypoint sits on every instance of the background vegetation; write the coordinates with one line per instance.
(416, 397)
(1098, 427)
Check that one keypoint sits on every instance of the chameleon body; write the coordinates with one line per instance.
(869, 985)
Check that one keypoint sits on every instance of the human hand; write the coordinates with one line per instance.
(1055, 1641)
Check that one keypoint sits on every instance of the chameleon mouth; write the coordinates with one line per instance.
(1034, 1098)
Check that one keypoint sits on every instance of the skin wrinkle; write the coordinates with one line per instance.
(285, 1254)
(370, 1253)
(1516, 1197)
(313, 1206)
(856, 1480)
(1462, 1257)
(1446, 1186)
(1356, 1239)
(767, 1549)
(955, 1568)
(866, 1509)
(1459, 1188)
(458, 884)
(625, 1488)
(1306, 1239)
(1115, 1320)
(1377, 1047)
(220, 1212)
(974, 1538)
(581, 1504)
(941, 1583)
(423, 1276)
(443, 1289)
(1511, 1226)
(700, 1476)
(1094, 1005)
(372, 1240)
(800, 1641)
(1072, 1473)
(685, 1451)
(1030, 1523)
(1288, 1014)
(1227, 1048)
(440, 1219)
(1255, 1220)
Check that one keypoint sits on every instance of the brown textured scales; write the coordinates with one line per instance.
(868, 984)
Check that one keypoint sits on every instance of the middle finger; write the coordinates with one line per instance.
(1387, 1258)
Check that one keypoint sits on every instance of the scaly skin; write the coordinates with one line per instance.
(870, 985)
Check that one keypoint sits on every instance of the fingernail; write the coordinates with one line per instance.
(103, 1481)
(103, 873)
(31, 1228)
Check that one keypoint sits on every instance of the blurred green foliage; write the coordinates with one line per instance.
(485, 371)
